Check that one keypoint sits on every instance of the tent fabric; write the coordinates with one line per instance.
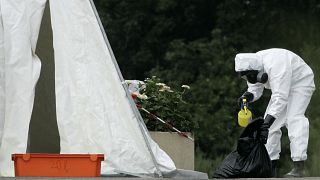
(2, 77)
(93, 110)
(19, 70)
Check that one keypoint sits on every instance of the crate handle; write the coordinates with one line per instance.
(26, 157)
(93, 157)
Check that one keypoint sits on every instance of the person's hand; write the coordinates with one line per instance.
(264, 131)
(264, 128)
(248, 96)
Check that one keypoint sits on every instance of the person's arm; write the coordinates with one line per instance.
(256, 90)
(279, 70)
(280, 73)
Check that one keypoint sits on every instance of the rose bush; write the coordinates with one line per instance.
(166, 103)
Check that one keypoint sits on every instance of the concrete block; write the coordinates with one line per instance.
(179, 148)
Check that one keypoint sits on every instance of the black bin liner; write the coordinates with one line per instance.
(250, 159)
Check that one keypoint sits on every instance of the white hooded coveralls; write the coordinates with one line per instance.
(291, 82)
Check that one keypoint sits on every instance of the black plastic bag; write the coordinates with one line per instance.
(250, 160)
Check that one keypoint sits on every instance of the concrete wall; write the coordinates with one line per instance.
(179, 148)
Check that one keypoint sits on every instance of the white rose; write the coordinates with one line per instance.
(185, 86)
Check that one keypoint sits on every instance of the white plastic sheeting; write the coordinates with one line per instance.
(93, 111)
(19, 70)
(2, 77)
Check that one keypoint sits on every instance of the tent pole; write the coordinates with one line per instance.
(141, 123)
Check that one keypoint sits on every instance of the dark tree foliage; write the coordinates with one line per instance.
(141, 31)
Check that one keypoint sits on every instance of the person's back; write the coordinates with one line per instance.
(302, 75)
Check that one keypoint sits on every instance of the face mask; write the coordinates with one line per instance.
(254, 76)
(262, 77)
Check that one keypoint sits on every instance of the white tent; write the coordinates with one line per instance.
(94, 109)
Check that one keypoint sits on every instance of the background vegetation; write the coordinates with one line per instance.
(194, 42)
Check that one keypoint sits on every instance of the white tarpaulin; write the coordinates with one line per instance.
(2, 77)
(19, 72)
(93, 111)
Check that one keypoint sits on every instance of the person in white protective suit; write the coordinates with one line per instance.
(19, 72)
(291, 82)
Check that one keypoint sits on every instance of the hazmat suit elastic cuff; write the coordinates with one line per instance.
(274, 115)
(249, 96)
(269, 119)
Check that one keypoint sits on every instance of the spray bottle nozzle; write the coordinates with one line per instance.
(245, 105)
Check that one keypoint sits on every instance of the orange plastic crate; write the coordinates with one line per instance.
(57, 165)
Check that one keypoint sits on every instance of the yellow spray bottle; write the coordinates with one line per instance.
(244, 115)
